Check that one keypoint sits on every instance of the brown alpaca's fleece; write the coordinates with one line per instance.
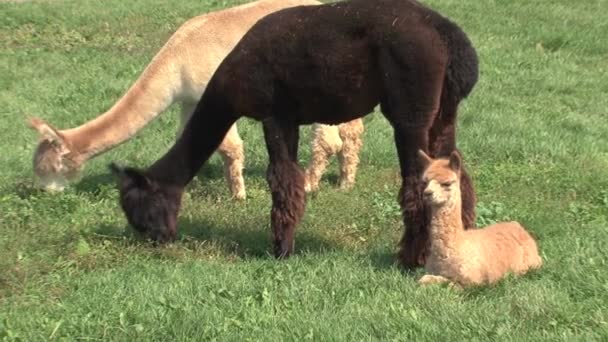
(473, 256)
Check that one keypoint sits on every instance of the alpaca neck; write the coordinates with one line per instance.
(446, 227)
(151, 94)
(203, 134)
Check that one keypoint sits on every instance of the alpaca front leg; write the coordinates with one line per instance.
(233, 156)
(286, 181)
(351, 134)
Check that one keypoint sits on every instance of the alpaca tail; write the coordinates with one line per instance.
(460, 78)
(533, 260)
(536, 261)
(463, 64)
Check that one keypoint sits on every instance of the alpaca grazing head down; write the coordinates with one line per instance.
(149, 207)
(54, 162)
(441, 179)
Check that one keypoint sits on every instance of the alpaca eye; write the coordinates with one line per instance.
(447, 185)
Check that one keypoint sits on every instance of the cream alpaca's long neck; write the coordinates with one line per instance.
(446, 227)
(154, 91)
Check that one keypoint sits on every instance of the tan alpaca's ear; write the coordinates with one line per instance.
(424, 159)
(46, 130)
(455, 161)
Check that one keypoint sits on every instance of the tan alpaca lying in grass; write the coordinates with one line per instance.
(474, 256)
(179, 72)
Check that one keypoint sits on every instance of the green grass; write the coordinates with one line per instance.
(534, 134)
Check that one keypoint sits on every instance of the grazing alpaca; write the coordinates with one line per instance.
(331, 64)
(178, 73)
(345, 141)
(474, 256)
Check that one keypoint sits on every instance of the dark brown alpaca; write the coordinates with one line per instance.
(329, 64)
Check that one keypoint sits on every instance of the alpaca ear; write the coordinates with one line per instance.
(131, 174)
(116, 170)
(46, 131)
(424, 159)
(455, 161)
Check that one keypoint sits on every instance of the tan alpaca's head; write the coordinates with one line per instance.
(441, 179)
(54, 163)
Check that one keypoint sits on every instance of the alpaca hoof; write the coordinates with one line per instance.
(308, 188)
(283, 249)
(410, 260)
(455, 286)
(426, 280)
(429, 279)
(240, 196)
(346, 186)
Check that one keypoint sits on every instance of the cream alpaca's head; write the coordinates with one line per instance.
(441, 179)
(54, 162)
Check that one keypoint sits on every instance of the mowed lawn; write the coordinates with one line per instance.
(534, 134)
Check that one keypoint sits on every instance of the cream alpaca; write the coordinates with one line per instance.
(474, 256)
(178, 73)
(345, 140)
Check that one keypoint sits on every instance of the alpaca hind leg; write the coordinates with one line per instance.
(326, 143)
(351, 134)
(286, 181)
(531, 258)
(232, 152)
(410, 103)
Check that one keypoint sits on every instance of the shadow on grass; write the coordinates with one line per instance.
(25, 189)
(386, 260)
(245, 241)
(383, 259)
(331, 178)
(91, 184)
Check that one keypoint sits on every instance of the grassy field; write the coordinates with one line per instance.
(534, 134)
